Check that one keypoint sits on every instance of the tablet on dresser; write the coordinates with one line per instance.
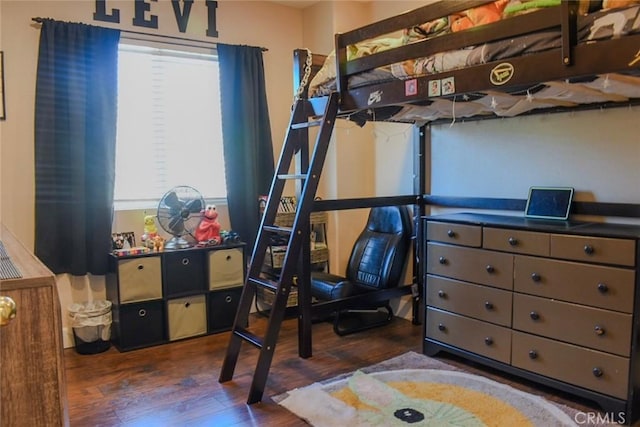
(549, 202)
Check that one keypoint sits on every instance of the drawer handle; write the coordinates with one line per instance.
(534, 315)
(442, 294)
(588, 249)
(185, 261)
(228, 257)
(228, 299)
(441, 327)
(603, 288)
(488, 341)
(597, 372)
(599, 330)
(488, 305)
(490, 269)
(142, 312)
(533, 354)
(140, 267)
(513, 241)
(536, 277)
(451, 233)
(442, 260)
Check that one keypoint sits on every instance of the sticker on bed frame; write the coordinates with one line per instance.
(434, 87)
(501, 73)
(374, 97)
(448, 86)
(411, 87)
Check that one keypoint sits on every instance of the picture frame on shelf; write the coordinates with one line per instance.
(123, 240)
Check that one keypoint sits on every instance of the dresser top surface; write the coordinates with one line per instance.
(552, 226)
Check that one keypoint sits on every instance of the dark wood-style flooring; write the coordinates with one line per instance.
(176, 384)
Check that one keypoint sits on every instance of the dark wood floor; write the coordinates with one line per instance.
(176, 384)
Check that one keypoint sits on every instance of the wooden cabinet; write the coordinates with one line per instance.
(556, 303)
(162, 297)
(32, 379)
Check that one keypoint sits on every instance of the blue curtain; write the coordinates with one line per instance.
(246, 133)
(75, 136)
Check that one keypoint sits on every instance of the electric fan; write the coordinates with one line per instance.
(179, 214)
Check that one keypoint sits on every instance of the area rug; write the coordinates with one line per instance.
(415, 390)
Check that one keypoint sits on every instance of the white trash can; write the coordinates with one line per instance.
(91, 322)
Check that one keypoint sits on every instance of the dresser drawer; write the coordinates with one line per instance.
(478, 337)
(139, 279)
(477, 301)
(456, 234)
(594, 249)
(591, 369)
(226, 268)
(589, 284)
(471, 265)
(517, 241)
(604, 330)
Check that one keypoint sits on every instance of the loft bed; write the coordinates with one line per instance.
(419, 67)
(554, 56)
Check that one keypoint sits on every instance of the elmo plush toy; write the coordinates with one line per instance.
(208, 231)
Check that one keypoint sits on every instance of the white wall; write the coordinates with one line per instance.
(597, 152)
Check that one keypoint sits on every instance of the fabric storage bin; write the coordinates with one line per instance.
(187, 316)
(183, 273)
(139, 279)
(226, 268)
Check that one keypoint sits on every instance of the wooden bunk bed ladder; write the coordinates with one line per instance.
(297, 235)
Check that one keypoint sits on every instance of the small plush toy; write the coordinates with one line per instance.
(158, 243)
(150, 231)
(208, 231)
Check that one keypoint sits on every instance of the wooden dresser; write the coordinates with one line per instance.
(554, 302)
(32, 379)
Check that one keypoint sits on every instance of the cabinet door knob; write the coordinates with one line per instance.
(488, 341)
(228, 257)
(588, 249)
(185, 261)
(534, 315)
(599, 330)
(441, 327)
(533, 354)
(442, 294)
(597, 372)
(536, 277)
(187, 304)
(490, 269)
(513, 241)
(228, 299)
(140, 267)
(442, 260)
(488, 305)
(142, 312)
(451, 233)
(8, 310)
(603, 288)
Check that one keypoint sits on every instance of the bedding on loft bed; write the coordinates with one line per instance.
(596, 21)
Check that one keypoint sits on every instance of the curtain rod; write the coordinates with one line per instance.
(39, 20)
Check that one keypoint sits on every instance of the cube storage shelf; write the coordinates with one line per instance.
(172, 295)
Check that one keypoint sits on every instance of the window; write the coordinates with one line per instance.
(169, 127)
